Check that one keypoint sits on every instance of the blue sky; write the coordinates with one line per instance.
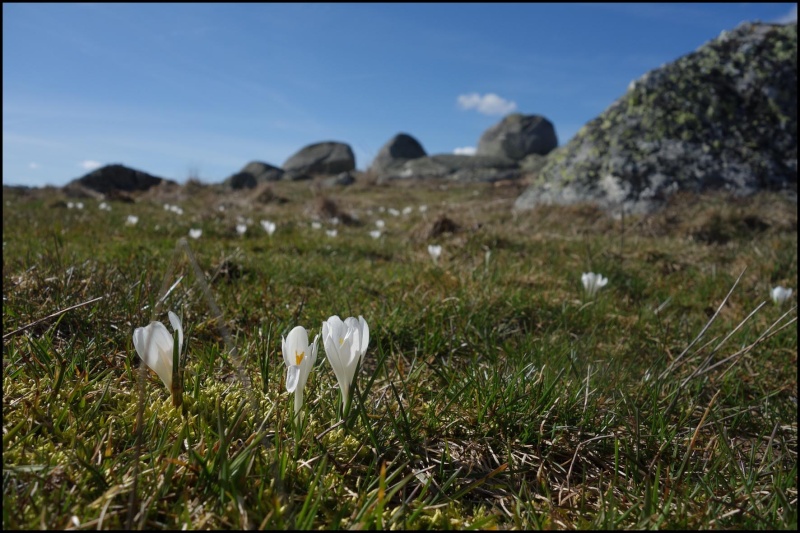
(203, 89)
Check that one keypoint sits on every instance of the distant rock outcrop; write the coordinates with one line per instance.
(325, 158)
(722, 117)
(254, 173)
(462, 168)
(115, 178)
(518, 136)
(399, 149)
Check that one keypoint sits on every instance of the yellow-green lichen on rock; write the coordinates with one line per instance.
(722, 117)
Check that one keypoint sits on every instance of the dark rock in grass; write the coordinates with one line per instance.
(117, 178)
(518, 136)
(254, 173)
(399, 149)
(326, 158)
(721, 118)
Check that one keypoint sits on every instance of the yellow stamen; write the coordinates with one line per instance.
(299, 356)
(341, 341)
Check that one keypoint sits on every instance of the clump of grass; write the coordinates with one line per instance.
(494, 393)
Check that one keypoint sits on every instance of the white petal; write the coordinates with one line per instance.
(364, 336)
(292, 377)
(154, 345)
(177, 326)
(296, 342)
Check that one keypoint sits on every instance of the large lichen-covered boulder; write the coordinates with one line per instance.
(722, 117)
(254, 173)
(326, 158)
(399, 149)
(115, 178)
(453, 167)
(518, 136)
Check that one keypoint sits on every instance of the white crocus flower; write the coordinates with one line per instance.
(154, 345)
(132, 220)
(299, 357)
(241, 229)
(195, 233)
(375, 234)
(104, 206)
(781, 294)
(435, 250)
(268, 226)
(593, 282)
(423, 208)
(316, 225)
(394, 212)
(407, 210)
(345, 345)
(331, 232)
(79, 205)
(70, 205)
(380, 224)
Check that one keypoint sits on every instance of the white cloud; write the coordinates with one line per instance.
(90, 165)
(488, 104)
(465, 150)
(34, 166)
(789, 17)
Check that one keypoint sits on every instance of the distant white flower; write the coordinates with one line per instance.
(154, 345)
(104, 206)
(176, 209)
(268, 226)
(407, 210)
(132, 220)
(79, 205)
(781, 294)
(167, 207)
(335, 221)
(375, 234)
(241, 229)
(381, 209)
(394, 212)
(593, 282)
(195, 233)
(299, 357)
(221, 208)
(331, 232)
(70, 205)
(380, 224)
(345, 344)
(316, 225)
(435, 250)
(423, 208)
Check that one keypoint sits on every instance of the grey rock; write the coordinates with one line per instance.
(326, 158)
(722, 117)
(117, 177)
(517, 136)
(341, 179)
(399, 149)
(464, 168)
(254, 173)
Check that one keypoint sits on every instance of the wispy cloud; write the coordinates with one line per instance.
(33, 166)
(90, 165)
(465, 150)
(488, 104)
(789, 17)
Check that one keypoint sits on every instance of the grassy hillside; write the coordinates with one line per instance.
(494, 393)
